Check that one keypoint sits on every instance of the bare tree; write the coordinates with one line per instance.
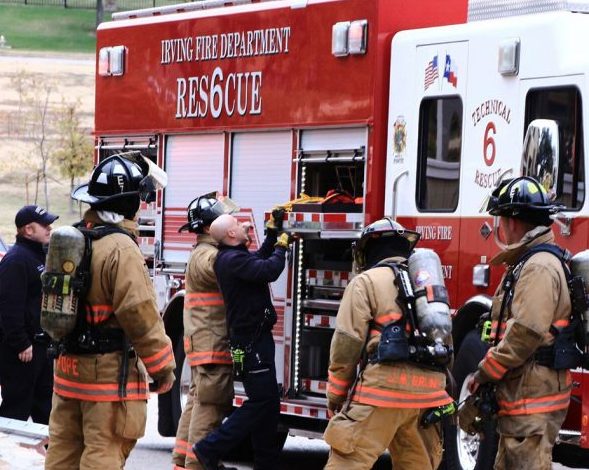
(40, 134)
(74, 150)
(34, 123)
(20, 82)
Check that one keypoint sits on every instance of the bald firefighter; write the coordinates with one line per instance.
(383, 406)
(206, 341)
(531, 309)
(243, 278)
(101, 387)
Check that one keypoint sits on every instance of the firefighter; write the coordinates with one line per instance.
(100, 382)
(243, 278)
(532, 395)
(387, 399)
(205, 337)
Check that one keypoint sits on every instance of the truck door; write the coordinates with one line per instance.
(425, 148)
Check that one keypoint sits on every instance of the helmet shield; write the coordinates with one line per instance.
(384, 232)
(155, 178)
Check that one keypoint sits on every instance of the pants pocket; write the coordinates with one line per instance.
(130, 419)
(345, 428)
(214, 385)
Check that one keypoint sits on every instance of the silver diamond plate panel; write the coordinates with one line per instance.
(489, 9)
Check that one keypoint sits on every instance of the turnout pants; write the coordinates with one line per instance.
(89, 435)
(359, 435)
(258, 417)
(526, 441)
(26, 386)
(209, 401)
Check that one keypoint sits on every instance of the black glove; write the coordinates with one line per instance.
(276, 220)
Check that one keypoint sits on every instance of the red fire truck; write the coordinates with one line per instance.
(410, 109)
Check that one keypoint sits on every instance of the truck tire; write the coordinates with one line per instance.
(179, 391)
(570, 455)
(463, 451)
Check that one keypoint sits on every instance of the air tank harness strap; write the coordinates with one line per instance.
(98, 341)
(544, 355)
(433, 294)
(393, 345)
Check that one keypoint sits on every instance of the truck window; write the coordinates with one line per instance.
(439, 152)
(563, 105)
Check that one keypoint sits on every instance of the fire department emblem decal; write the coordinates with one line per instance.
(399, 137)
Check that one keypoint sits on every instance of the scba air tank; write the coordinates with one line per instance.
(431, 296)
(59, 305)
(579, 265)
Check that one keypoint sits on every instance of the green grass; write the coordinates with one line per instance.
(40, 28)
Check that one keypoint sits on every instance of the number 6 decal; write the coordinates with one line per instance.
(489, 141)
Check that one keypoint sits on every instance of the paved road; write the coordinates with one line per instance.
(154, 452)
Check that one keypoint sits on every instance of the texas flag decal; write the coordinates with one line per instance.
(450, 72)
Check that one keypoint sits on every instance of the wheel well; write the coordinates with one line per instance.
(173, 318)
(169, 408)
(467, 317)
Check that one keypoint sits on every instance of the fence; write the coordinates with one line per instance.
(109, 5)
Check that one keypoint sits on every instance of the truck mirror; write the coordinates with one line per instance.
(540, 157)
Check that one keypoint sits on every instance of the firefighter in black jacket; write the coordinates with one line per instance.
(243, 278)
(26, 373)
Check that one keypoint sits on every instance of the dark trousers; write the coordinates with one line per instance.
(26, 387)
(257, 417)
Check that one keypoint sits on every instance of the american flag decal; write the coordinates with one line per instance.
(431, 73)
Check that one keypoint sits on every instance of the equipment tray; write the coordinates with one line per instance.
(336, 208)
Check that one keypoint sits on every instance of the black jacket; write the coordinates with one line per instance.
(20, 292)
(243, 278)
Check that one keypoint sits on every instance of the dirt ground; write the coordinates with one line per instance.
(71, 79)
